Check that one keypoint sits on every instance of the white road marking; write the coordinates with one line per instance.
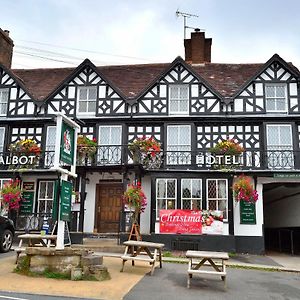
(12, 298)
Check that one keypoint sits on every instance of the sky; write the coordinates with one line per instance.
(62, 33)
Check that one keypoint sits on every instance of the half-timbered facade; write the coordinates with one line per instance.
(188, 107)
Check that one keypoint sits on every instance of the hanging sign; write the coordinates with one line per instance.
(67, 144)
(65, 200)
(247, 212)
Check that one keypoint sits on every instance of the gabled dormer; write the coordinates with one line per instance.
(273, 90)
(86, 93)
(179, 91)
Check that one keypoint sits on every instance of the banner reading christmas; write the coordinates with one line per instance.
(179, 221)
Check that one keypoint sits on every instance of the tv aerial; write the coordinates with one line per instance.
(185, 16)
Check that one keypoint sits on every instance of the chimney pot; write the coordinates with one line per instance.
(6, 32)
(197, 29)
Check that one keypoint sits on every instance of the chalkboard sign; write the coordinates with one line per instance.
(247, 212)
(65, 200)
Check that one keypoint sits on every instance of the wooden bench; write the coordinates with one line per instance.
(141, 251)
(198, 259)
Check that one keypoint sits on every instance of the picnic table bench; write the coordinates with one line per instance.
(198, 259)
(34, 239)
(141, 251)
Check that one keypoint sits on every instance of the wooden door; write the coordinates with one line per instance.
(109, 205)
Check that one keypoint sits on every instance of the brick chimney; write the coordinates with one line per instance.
(197, 48)
(6, 48)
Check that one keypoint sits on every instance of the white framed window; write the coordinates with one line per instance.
(87, 100)
(110, 141)
(50, 145)
(217, 195)
(2, 137)
(45, 196)
(3, 101)
(179, 145)
(191, 193)
(276, 97)
(179, 99)
(166, 194)
(280, 146)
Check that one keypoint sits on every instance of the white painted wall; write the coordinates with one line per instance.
(245, 229)
(145, 217)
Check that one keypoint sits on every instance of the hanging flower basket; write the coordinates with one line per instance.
(243, 190)
(146, 151)
(224, 149)
(135, 199)
(11, 195)
(25, 148)
(86, 148)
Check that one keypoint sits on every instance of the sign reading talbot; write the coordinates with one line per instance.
(17, 160)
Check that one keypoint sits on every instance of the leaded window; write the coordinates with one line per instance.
(191, 194)
(45, 197)
(217, 195)
(50, 145)
(3, 101)
(280, 146)
(179, 145)
(87, 100)
(179, 100)
(110, 140)
(166, 194)
(276, 100)
(2, 137)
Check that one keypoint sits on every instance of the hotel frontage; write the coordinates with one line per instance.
(188, 107)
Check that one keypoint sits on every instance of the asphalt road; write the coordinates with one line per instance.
(170, 283)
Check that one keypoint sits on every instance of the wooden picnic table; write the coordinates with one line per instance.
(216, 260)
(34, 239)
(142, 251)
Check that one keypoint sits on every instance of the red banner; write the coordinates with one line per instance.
(180, 221)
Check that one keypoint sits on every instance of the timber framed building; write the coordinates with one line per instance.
(186, 105)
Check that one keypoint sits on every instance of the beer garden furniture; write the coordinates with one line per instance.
(33, 240)
(197, 260)
(141, 251)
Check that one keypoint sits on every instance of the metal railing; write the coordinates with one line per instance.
(120, 155)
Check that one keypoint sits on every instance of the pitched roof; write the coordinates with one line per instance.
(131, 80)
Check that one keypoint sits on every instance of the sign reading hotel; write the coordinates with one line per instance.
(180, 221)
(67, 144)
(209, 159)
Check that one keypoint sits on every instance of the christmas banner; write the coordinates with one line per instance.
(179, 221)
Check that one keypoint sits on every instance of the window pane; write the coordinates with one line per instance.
(82, 94)
(270, 103)
(212, 189)
(183, 105)
(186, 188)
(185, 135)
(280, 91)
(82, 106)
(270, 91)
(174, 92)
(2, 132)
(104, 135)
(171, 188)
(186, 204)
(285, 135)
(273, 135)
(196, 188)
(280, 103)
(116, 135)
(42, 191)
(51, 137)
(183, 92)
(222, 189)
(172, 135)
(91, 106)
(170, 204)
(3, 108)
(174, 106)
(212, 205)
(161, 188)
(50, 189)
(92, 93)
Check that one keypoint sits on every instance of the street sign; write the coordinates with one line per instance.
(65, 200)
(67, 144)
(247, 212)
(286, 175)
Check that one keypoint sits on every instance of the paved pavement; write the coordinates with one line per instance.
(168, 282)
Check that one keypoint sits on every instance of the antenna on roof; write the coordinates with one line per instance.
(185, 15)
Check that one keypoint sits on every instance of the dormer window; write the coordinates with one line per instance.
(179, 99)
(276, 99)
(3, 101)
(87, 100)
